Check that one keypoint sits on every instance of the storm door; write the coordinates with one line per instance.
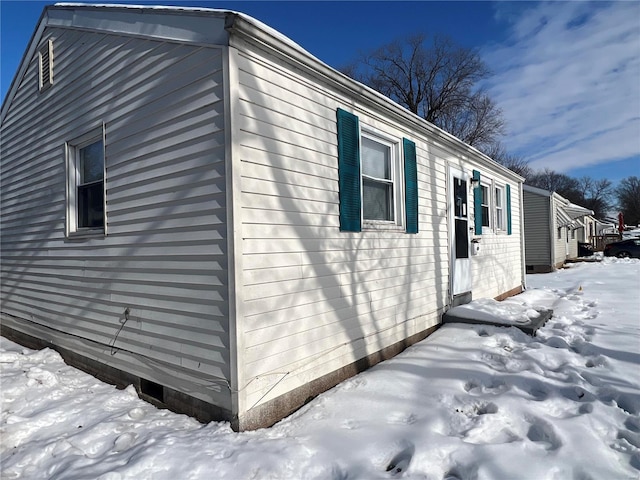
(459, 228)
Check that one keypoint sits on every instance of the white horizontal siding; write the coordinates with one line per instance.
(561, 247)
(164, 257)
(315, 298)
(497, 268)
(537, 234)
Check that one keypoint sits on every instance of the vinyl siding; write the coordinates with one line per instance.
(497, 268)
(315, 298)
(165, 255)
(537, 236)
(561, 246)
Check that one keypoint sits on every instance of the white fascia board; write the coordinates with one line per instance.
(576, 211)
(536, 190)
(180, 25)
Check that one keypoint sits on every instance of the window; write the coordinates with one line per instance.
(499, 202)
(45, 65)
(370, 178)
(560, 233)
(85, 184)
(573, 234)
(378, 178)
(484, 205)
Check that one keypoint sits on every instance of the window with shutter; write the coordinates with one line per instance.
(370, 172)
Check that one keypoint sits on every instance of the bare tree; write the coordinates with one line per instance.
(438, 82)
(588, 192)
(628, 193)
(597, 195)
(513, 162)
(564, 185)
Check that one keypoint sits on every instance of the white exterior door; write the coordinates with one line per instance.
(459, 241)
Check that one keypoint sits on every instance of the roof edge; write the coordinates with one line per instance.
(22, 66)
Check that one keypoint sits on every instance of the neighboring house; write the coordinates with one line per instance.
(193, 204)
(589, 229)
(553, 227)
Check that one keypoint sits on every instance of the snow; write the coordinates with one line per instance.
(469, 402)
(517, 310)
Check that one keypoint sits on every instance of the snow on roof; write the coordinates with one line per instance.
(177, 9)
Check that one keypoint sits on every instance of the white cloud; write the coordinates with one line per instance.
(568, 81)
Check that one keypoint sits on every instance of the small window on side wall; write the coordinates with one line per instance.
(500, 223)
(484, 202)
(85, 184)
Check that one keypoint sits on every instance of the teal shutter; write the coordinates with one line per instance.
(349, 172)
(410, 185)
(477, 204)
(508, 209)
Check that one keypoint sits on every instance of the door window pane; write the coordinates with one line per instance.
(460, 194)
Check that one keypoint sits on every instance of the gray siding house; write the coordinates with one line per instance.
(553, 226)
(193, 204)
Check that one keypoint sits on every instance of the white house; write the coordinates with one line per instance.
(192, 203)
(553, 226)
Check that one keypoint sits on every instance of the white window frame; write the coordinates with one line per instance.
(396, 181)
(499, 210)
(45, 52)
(488, 185)
(72, 166)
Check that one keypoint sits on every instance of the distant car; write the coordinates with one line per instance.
(624, 249)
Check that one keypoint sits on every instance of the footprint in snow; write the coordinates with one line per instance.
(136, 413)
(630, 437)
(629, 403)
(401, 418)
(543, 433)
(577, 394)
(124, 441)
(633, 424)
(461, 472)
(597, 361)
(401, 460)
(478, 387)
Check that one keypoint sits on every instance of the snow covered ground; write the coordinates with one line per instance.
(469, 402)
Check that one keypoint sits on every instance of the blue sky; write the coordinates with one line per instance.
(567, 74)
